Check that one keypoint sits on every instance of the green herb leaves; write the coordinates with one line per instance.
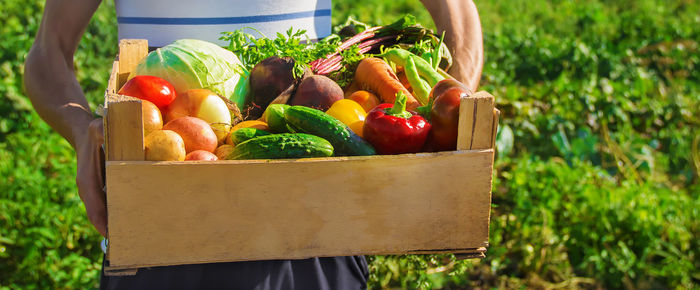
(294, 44)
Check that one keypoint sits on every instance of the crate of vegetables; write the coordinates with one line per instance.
(217, 155)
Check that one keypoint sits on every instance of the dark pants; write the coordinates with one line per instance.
(315, 273)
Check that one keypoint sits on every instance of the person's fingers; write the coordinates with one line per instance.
(97, 135)
(91, 193)
(96, 131)
(100, 220)
(90, 179)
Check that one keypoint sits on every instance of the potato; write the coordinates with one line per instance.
(201, 155)
(164, 145)
(152, 118)
(196, 133)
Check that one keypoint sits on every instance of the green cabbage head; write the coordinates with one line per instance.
(196, 64)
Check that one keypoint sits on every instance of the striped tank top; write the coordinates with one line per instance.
(164, 21)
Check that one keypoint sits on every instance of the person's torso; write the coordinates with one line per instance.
(337, 273)
(164, 21)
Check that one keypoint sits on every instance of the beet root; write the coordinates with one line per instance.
(268, 79)
(318, 92)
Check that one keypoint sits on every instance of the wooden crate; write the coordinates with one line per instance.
(170, 213)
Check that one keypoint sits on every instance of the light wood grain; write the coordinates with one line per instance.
(116, 271)
(483, 127)
(124, 128)
(167, 213)
(476, 122)
(113, 79)
(111, 90)
(465, 128)
(131, 51)
(496, 116)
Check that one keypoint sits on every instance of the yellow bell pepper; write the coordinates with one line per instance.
(350, 113)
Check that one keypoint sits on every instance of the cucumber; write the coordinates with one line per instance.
(274, 117)
(280, 146)
(244, 134)
(312, 121)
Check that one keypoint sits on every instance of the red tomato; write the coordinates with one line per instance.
(444, 115)
(444, 85)
(154, 89)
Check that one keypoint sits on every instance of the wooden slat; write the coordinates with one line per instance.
(124, 129)
(460, 254)
(123, 120)
(112, 271)
(111, 90)
(475, 122)
(169, 213)
(496, 116)
(131, 51)
(483, 129)
(479, 253)
(465, 129)
(113, 78)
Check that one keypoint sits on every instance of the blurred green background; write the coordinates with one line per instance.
(596, 177)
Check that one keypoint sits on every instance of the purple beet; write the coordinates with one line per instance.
(268, 79)
(317, 92)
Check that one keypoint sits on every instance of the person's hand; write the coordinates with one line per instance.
(90, 177)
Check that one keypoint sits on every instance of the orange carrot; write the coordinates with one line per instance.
(375, 75)
(401, 74)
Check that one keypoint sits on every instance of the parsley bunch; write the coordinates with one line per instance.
(295, 44)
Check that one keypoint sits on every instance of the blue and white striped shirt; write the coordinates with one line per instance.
(164, 21)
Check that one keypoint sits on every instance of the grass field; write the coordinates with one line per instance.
(596, 177)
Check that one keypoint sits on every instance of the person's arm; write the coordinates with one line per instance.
(54, 91)
(460, 21)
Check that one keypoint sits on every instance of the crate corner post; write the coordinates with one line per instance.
(477, 129)
(131, 51)
(476, 122)
(123, 122)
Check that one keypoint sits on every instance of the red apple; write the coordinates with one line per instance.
(196, 133)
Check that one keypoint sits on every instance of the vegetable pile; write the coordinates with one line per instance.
(363, 91)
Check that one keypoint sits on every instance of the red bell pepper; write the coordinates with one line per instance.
(393, 130)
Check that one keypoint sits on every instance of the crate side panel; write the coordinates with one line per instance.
(131, 51)
(180, 213)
